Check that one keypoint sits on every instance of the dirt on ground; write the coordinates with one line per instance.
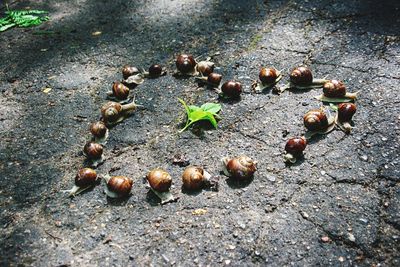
(337, 206)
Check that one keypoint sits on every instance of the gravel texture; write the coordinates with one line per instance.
(338, 206)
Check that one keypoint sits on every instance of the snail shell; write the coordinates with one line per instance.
(301, 76)
(334, 89)
(296, 146)
(98, 129)
(214, 78)
(155, 70)
(185, 63)
(231, 89)
(129, 71)
(119, 186)
(159, 180)
(120, 91)
(316, 120)
(205, 67)
(268, 75)
(346, 111)
(240, 168)
(85, 177)
(93, 150)
(194, 178)
(111, 111)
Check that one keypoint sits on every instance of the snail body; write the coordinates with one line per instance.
(128, 71)
(205, 67)
(155, 70)
(84, 179)
(113, 112)
(334, 88)
(119, 91)
(118, 186)
(317, 122)
(344, 116)
(160, 182)
(93, 151)
(194, 178)
(99, 131)
(214, 79)
(239, 168)
(294, 148)
(269, 77)
(185, 64)
(231, 89)
(334, 91)
(302, 78)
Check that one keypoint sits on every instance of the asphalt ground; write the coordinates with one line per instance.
(338, 206)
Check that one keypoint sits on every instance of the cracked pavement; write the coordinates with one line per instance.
(339, 206)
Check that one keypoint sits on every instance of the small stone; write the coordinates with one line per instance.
(351, 237)
(325, 239)
(231, 247)
(227, 262)
(364, 157)
(341, 259)
(323, 172)
(271, 178)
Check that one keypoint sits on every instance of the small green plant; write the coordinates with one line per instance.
(207, 111)
(22, 18)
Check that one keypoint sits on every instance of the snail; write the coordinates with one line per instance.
(294, 148)
(99, 131)
(84, 179)
(335, 91)
(213, 79)
(194, 178)
(239, 168)
(113, 112)
(317, 122)
(344, 116)
(119, 91)
(93, 151)
(231, 89)
(155, 70)
(186, 64)
(128, 71)
(160, 182)
(269, 77)
(205, 67)
(302, 78)
(118, 186)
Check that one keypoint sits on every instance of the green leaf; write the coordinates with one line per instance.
(197, 115)
(211, 107)
(210, 118)
(6, 27)
(193, 108)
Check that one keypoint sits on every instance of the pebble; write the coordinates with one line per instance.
(271, 178)
(364, 157)
(325, 239)
(351, 237)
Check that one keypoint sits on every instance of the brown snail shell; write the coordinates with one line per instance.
(231, 89)
(98, 129)
(346, 111)
(185, 63)
(85, 177)
(205, 67)
(93, 150)
(111, 111)
(301, 76)
(159, 180)
(194, 178)
(316, 120)
(120, 91)
(268, 75)
(129, 71)
(214, 78)
(240, 168)
(155, 70)
(295, 146)
(119, 186)
(334, 89)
